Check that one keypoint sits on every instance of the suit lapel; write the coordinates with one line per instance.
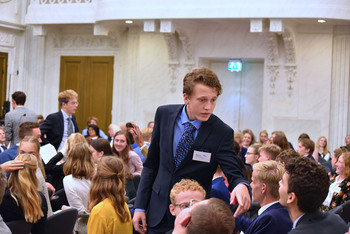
(61, 122)
(171, 122)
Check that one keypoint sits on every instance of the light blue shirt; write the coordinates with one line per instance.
(296, 221)
(65, 130)
(179, 127)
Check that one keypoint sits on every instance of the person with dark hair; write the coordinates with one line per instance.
(18, 115)
(303, 136)
(188, 141)
(24, 129)
(281, 141)
(92, 133)
(99, 148)
(58, 126)
(92, 120)
(303, 188)
(305, 148)
(248, 138)
(205, 217)
(286, 155)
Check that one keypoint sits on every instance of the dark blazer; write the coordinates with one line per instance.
(274, 220)
(319, 223)
(53, 128)
(160, 174)
(219, 190)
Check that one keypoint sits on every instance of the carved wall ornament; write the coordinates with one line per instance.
(59, 1)
(173, 54)
(86, 41)
(290, 52)
(5, 1)
(7, 39)
(272, 63)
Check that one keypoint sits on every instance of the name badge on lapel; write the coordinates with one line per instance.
(201, 156)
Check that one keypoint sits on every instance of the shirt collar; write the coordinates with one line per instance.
(296, 221)
(262, 209)
(65, 116)
(184, 119)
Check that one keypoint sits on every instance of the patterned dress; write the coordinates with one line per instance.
(341, 197)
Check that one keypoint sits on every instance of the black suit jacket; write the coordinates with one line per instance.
(53, 128)
(320, 223)
(160, 174)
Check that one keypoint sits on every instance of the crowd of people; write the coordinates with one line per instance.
(185, 172)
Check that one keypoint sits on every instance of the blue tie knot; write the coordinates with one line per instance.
(189, 127)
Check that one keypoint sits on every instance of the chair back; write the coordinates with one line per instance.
(62, 222)
(19, 227)
(59, 199)
(346, 211)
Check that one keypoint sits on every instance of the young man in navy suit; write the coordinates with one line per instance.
(58, 126)
(302, 191)
(273, 217)
(211, 144)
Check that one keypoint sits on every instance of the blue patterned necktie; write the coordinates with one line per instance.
(185, 143)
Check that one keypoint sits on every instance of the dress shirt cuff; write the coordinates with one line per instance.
(142, 210)
(144, 145)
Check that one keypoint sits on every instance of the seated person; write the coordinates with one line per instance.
(100, 147)
(272, 216)
(184, 194)
(219, 188)
(109, 211)
(305, 148)
(92, 120)
(303, 188)
(22, 201)
(205, 217)
(269, 152)
(339, 189)
(252, 155)
(93, 133)
(287, 155)
(54, 167)
(4, 229)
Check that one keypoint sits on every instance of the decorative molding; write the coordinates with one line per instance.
(149, 25)
(276, 25)
(173, 54)
(272, 63)
(290, 66)
(41, 2)
(86, 41)
(5, 1)
(167, 26)
(187, 50)
(7, 39)
(256, 25)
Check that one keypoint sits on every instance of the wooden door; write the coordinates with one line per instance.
(3, 82)
(92, 79)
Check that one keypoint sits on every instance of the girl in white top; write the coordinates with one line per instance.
(321, 148)
(79, 169)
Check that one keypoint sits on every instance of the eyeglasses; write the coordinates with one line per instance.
(185, 205)
(251, 153)
(74, 103)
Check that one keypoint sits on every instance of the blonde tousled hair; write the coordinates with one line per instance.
(23, 186)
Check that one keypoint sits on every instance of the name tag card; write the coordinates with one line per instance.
(201, 156)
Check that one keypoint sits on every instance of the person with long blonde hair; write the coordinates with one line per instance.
(53, 170)
(22, 201)
(321, 148)
(79, 169)
(107, 203)
(31, 145)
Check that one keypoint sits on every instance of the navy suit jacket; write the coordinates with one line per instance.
(274, 220)
(160, 174)
(219, 190)
(53, 128)
(320, 223)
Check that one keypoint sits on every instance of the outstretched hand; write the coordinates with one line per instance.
(241, 195)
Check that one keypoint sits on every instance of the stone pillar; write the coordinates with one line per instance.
(339, 116)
